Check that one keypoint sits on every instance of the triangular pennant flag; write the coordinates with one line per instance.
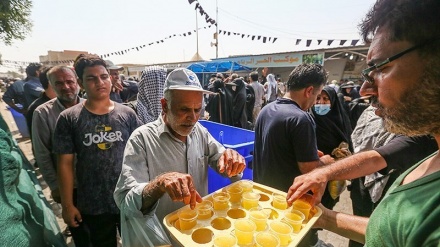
(190, 1)
(137, 49)
(189, 33)
(342, 42)
(161, 41)
(308, 42)
(248, 35)
(197, 5)
(319, 41)
(184, 34)
(123, 52)
(270, 38)
(213, 22)
(242, 36)
(219, 31)
(253, 37)
(229, 33)
(330, 41)
(264, 39)
(354, 42)
(259, 37)
(224, 32)
(298, 41)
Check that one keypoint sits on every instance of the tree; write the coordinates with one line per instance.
(15, 21)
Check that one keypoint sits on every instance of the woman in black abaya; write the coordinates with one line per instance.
(332, 127)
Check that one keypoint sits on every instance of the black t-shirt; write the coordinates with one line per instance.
(403, 152)
(284, 136)
(98, 142)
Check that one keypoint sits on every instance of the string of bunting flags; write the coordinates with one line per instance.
(259, 37)
(264, 39)
(119, 52)
(202, 12)
(137, 48)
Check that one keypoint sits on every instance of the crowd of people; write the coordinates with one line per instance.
(137, 147)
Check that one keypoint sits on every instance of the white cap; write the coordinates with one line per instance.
(112, 66)
(183, 79)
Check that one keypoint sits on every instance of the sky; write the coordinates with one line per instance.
(106, 26)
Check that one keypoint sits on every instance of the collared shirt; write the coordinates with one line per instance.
(259, 93)
(43, 127)
(151, 151)
(32, 90)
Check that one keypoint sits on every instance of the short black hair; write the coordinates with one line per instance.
(32, 68)
(43, 77)
(83, 61)
(305, 75)
(254, 76)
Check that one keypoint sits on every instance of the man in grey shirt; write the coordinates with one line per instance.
(64, 82)
(171, 155)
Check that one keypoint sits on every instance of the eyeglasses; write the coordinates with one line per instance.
(365, 73)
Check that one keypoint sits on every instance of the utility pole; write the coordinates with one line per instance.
(216, 29)
(197, 34)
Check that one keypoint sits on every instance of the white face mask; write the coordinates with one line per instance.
(322, 109)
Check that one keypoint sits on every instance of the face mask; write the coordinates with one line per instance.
(322, 109)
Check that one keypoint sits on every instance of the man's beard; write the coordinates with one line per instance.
(418, 110)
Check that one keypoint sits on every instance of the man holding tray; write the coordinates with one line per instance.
(171, 156)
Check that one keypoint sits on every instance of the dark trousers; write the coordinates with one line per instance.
(97, 230)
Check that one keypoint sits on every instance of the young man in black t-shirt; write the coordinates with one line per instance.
(96, 131)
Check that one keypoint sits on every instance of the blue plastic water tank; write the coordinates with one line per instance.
(241, 140)
(20, 121)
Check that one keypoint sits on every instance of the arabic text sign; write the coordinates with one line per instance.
(281, 60)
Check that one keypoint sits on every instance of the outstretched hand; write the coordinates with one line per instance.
(180, 187)
(232, 162)
(313, 181)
